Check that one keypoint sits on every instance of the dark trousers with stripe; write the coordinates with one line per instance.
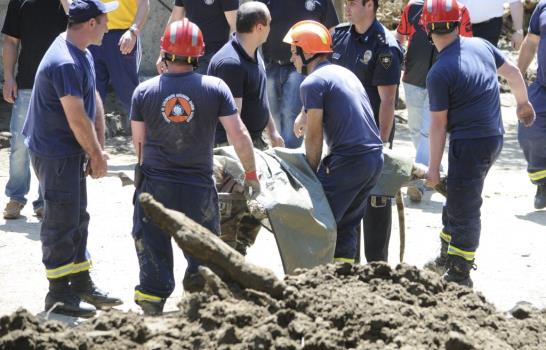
(65, 223)
(469, 163)
(153, 246)
(532, 141)
(347, 182)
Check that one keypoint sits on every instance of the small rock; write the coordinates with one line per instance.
(522, 310)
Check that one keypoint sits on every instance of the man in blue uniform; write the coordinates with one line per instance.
(533, 140)
(241, 66)
(174, 119)
(216, 18)
(371, 52)
(283, 81)
(336, 110)
(64, 132)
(464, 102)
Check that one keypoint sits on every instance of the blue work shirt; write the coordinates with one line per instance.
(284, 14)
(246, 79)
(375, 57)
(537, 90)
(349, 126)
(65, 70)
(464, 81)
(180, 112)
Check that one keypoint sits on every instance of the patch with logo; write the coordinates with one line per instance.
(336, 56)
(366, 57)
(177, 108)
(386, 60)
(209, 2)
(310, 5)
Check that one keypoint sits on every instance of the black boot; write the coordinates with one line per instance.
(61, 300)
(439, 264)
(151, 308)
(193, 282)
(540, 197)
(83, 286)
(458, 270)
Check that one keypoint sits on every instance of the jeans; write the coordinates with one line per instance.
(283, 91)
(19, 162)
(418, 120)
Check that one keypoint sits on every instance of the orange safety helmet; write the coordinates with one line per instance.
(183, 39)
(311, 36)
(441, 16)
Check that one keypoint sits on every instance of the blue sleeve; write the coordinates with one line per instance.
(227, 102)
(499, 56)
(534, 22)
(230, 5)
(135, 112)
(67, 80)
(438, 92)
(232, 74)
(388, 67)
(179, 3)
(312, 93)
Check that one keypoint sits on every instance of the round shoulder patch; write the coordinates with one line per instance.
(209, 2)
(310, 5)
(177, 108)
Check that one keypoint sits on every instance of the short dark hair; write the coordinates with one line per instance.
(249, 15)
(375, 4)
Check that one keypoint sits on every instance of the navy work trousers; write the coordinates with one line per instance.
(532, 141)
(153, 246)
(347, 182)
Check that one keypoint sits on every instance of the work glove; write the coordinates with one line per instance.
(252, 185)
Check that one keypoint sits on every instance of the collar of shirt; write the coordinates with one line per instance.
(239, 48)
(368, 35)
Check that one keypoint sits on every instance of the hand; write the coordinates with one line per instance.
(127, 42)
(160, 65)
(300, 124)
(10, 90)
(252, 185)
(98, 165)
(517, 39)
(433, 178)
(526, 113)
(276, 139)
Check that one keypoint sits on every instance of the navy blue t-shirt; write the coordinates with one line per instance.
(64, 70)
(246, 79)
(349, 126)
(180, 112)
(375, 57)
(537, 26)
(284, 14)
(210, 18)
(464, 81)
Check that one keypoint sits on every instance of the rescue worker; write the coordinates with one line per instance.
(64, 132)
(337, 111)
(533, 140)
(241, 66)
(368, 49)
(173, 119)
(216, 18)
(464, 102)
(283, 81)
(420, 56)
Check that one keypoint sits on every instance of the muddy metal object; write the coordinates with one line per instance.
(200, 243)
(125, 179)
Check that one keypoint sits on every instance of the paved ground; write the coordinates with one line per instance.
(510, 259)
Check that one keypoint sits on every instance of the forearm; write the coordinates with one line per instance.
(518, 87)
(9, 58)
(100, 126)
(526, 55)
(142, 14)
(437, 139)
(138, 136)
(313, 150)
(271, 128)
(516, 11)
(386, 119)
(85, 134)
(178, 13)
(245, 150)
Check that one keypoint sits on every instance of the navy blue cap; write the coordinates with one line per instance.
(83, 10)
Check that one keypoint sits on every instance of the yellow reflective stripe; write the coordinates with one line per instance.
(351, 261)
(83, 266)
(462, 253)
(60, 271)
(143, 296)
(538, 175)
(446, 237)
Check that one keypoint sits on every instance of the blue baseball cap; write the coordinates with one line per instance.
(83, 10)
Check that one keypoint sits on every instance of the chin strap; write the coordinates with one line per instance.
(305, 61)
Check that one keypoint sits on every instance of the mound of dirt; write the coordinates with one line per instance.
(337, 306)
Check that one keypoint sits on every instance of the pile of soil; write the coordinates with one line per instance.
(330, 307)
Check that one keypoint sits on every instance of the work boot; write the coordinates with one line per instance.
(151, 308)
(415, 193)
(458, 270)
(540, 197)
(61, 300)
(13, 210)
(193, 282)
(439, 264)
(83, 286)
(39, 212)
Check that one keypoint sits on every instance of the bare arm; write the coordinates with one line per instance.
(274, 136)
(66, 5)
(528, 51)
(516, 10)
(10, 50)
(128, 40)
(138, 131)
(99, 120)
(143, 9)
(437, 139)
(512, 74)
(387, 93)
(178, 13)
(240, 139)
(313, 137)
(231, 17)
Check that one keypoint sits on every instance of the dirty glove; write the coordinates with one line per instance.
(252, 185)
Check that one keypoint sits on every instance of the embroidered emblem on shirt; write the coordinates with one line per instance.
(386, 60)
(336, 56)
(366, 57)
(310, 5)
(177, 108)
(209, 2)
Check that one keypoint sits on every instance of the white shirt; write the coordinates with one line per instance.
(484, 10)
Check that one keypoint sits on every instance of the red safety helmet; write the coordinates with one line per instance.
(183, 39)
(311, 36)
(441, 16)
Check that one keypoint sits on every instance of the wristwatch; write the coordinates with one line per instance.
(134, 30)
